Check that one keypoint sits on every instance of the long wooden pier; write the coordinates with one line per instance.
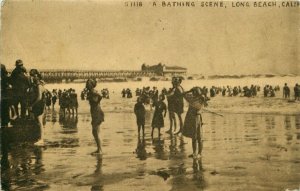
(71, 75)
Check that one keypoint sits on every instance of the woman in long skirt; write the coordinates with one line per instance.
(97, 114)
(192, 127)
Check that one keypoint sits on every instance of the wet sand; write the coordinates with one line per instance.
(242, 151)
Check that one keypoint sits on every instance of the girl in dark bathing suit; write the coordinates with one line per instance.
(140, 111)
(97, 114)
(159, 114)
(38, 101)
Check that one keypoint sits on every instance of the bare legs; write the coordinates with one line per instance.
(197, 140)
(40, 123)
(143, 129)
(180, 123)
(172, 121)
(197, 147)
(95, 132)
(152, 132)
(158, 132)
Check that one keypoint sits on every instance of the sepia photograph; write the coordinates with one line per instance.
(154, 95)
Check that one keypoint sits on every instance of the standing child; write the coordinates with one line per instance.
(139, 111)
(158, 117)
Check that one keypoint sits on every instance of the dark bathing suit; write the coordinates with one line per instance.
(96, 111)
(177, 100)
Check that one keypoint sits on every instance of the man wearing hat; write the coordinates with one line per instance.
(20, 83)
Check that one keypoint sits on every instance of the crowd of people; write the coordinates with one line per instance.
(151, 95)
(68, 101)
(126, 93)
(24, 97)
(287, 92)
(27, 91)
(104, 93)
(191, 127)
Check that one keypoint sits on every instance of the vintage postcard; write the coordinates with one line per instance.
(150, 95)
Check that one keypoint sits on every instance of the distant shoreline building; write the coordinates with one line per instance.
(163, 70)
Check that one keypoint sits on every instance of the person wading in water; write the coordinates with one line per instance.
(171, 113)
(37, 108)
(192, 127)
(176, 100)
(20, 83)
(97, 114)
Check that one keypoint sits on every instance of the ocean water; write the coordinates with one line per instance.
(221, 104)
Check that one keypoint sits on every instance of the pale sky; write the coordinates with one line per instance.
(104, 35)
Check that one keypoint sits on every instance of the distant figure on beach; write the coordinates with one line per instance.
(223, 91)
(138, 92)
(48, 99)
(64, 102)
(272, 91)
(286, 91)
(37, 105)
(154, 95)
(297, 92)
(73, 102)
(266, 91)
(192, 127)
(212, 92)
(128, 93)
(20, 83)
(97, 114)
(82, 94)
(105, 93)
(123, 93)
(176, 100)
(54, 98)
(139, 111)
(159, 114)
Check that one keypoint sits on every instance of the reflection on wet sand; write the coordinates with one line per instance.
(158, 147)
(239, 151)
(141, 149)
(21, 164)
(98, 173)
(198, 174)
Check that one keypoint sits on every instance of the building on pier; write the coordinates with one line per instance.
(164, 70)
